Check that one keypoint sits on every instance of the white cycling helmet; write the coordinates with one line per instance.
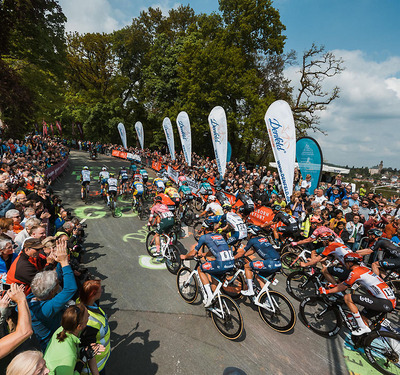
(212, 198)
(85, 167)
(104, 168)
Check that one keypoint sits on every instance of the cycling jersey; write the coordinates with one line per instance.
(222, 198)
(218, 247)
(236, 223)
(185, 190)
(138, 188)
(172, 192)
(205, 188)
(263, 248)
(215, 208)
(390, 250)
(161, 210)
(103, 176)
(285, 219)
(247, 201)
(112, 184)
(138, 176)
(143, 172)
(324, 230)
(133, 167)
(336, 250)
(85, 175)
(123, 174)
(373, 283)
(159, 183)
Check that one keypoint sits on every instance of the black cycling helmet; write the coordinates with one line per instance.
(353, 257)
(276, 207)
(157, 199)
(253, 229)
(375, 232)
(227, 207)
(326, 236)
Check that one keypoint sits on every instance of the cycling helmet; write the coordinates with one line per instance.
(253, 229)
(353, 257)
(204, 179)
(168, 184)
(112, 174)
(85, 167)
(157, 199)
(212, 198)
(136, 177)
(326, 236)
(104, 168)
(241, 190)
(185, 182)
(375, 232)
(276, 207)
(218, 188)
(227, 207)
(208, 224)
(316, 219)
(160, 189)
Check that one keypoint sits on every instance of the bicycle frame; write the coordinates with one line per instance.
(302, 256)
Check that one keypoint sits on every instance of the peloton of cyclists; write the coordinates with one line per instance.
(291, 225)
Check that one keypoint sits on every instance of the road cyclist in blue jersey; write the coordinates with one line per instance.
(219, 258)
(270, 259)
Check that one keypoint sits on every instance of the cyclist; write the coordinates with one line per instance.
(133, 167)
(204, 189)
(331, 249)
(269, 264)
(164, 219)
(291, 225)
(211, 244)
(144, 174)
(213, 210)
(138, 176)
(137, 188)
(181, 179)
(111, 188)
(381, 298)
(391, 252)
(185, 192)
(103, 177)
(85, 180)
(159, 184)
(248, 204)
(172, 193)
(221, 197)
(233, 222)
(123, 177)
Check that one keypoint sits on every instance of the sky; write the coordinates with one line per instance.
(363, 124)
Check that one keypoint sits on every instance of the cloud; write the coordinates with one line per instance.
(362, 124)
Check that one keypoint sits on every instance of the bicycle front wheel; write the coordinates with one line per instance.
(233, 289)
(151, 244)
(197, 230)
(283, 318)
(227, 317)
(187, 286)
(320, 317)
(382, 349)
(173, 259)
(290, 263)
(299, 285)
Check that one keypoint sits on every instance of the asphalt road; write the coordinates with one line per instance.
(155, 332)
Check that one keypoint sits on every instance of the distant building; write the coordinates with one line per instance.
(377, 169)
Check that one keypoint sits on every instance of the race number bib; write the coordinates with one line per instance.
(226, 255)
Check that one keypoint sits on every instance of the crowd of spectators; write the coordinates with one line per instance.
(50, 320)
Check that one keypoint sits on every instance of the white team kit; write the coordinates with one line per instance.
(215, 208)
(85, 175)
(236, 222)
(112, 184)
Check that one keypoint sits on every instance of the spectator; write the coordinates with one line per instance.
(344, 207)
(16, 217)
(396, 237)
(6, 227)
(7, 255)
(338, 217)
(354, 211)
(354, 232)
(30, 362)
(24, 328)
(27, 232)
(97, 330)
(364, 210)
(45, 304)
(391, 228)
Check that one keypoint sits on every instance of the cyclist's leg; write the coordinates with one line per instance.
(249, 279)
(207, 268)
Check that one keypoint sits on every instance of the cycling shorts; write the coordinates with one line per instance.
(104, 181)
(145, 178)
(390, 264)
(85, 183)
(266, 267)
(373, 305)
(216, 267)
(205, 192)
(215, 219)
(340, 272)
(124, 180)
(112, 193)
(176, 201)
(165, 225)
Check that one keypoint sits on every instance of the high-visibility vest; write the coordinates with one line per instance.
(99, 321)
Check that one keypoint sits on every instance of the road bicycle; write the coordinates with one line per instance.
(291, 259)
(113, 204)
(85, 193)
(326, 315)
(124, 190)
(138, 206)
(274, 308)
(185, 211)
(224, 311)
(304, 283)
(168, 250)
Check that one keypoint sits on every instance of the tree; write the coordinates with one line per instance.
(317, 65)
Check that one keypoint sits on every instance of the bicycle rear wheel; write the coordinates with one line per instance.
(173, 259)
(299, 285)
(230, 323)
(197, 230)
(151, 245)
(320, 317)
(198, 204)
(187, 286)
(284, 317)
(189, 216)
(382, 349)
(290, 263)
(234, 289)
(112, 207)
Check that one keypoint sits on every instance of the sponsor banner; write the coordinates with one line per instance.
(219, 135)
(133, 157)
(309, 158)
(169, 135)
(119, 154)
(261, 216)
(185, 134)
(54, 171)
(140, 133)
(173, 174)
(192, 184)
(122, 133)
(156, 165)
(229, 153)
(282, 135)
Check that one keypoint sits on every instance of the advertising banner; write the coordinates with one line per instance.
(169, 135)
(282, 135)
(119, 154)
(309, 158)
(186, 136)
(54, 171)
(140, 133)
(173, 174)
(122, 133)
(219, 135)
(261, 215)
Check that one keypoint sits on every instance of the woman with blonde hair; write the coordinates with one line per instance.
(30, 362)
